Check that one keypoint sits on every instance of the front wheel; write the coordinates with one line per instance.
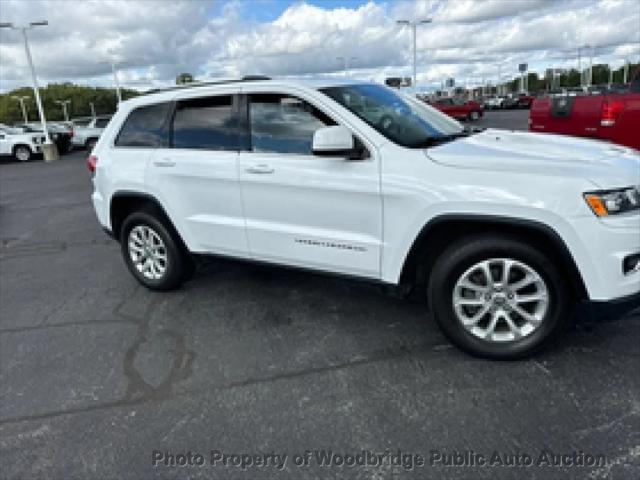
(153, 253)
(498, 297)
(22, 153)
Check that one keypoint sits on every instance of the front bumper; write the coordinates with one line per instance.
(600, 247)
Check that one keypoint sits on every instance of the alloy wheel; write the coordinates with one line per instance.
(500, 300)
(148, 252)
(23, 154)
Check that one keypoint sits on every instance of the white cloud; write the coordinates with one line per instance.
(155, 40)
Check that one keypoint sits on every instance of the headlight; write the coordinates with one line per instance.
(610, 202)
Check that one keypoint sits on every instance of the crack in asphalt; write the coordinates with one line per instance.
(141, 392)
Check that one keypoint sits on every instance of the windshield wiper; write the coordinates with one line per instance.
(432, 141)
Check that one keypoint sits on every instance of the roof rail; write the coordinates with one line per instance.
(246, 78)
(249, 78)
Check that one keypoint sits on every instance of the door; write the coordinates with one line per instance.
(196, 175)
(305, 210)
(5, 144)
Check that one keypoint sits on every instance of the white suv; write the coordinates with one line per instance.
(502, 231)
(22, 146)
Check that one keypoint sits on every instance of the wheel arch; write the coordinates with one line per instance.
(21, 144)
(123, 203)
(441, 231)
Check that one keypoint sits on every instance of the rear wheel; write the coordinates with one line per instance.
(498, 297)
(153, 252)
(22, 153)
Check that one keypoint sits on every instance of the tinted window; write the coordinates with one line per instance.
(102, 122)
(284, 124)
(206, 123)
(145, 127)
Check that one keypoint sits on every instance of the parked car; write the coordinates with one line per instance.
(525, 100)
(459, 108)
(510, 101)
(612, 116)
(81, 121)
(493, 103)
(501, 231)
(87, 136)
(22, 146)
(59, 133)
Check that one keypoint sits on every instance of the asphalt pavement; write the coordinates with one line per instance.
(247, 368)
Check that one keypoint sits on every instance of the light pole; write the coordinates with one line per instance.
(23, 107)
(63, 104)
(93, 109)
(49, 149)
(115, 79)
(346, 61)
(414, 24)
(591, 65)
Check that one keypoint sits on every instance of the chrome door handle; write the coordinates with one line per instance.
(262, 168)
(164, 163)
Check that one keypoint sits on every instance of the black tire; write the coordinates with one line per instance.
(22, 153)
(179, 265)
(460, 257)
(90, 143)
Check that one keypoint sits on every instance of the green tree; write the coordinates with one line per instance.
(184, 78)
(104, 100)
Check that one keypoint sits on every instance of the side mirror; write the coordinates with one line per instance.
(335, 141)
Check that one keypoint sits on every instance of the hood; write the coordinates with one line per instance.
(607, 165)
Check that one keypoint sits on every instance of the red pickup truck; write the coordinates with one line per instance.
(613, 116)
(459, 108)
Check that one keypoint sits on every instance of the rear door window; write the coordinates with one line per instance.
(208, 123)
(145, 127)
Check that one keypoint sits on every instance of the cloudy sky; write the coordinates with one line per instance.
(153, 40)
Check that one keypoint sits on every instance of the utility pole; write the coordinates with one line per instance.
(414, 24)
(48, 148)
(23, 107)
(346, 61)
(63, 104)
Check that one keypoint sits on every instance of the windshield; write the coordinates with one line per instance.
(401, 118)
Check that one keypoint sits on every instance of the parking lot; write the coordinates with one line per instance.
(98, 373)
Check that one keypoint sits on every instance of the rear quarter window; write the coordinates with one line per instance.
(145, 127)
